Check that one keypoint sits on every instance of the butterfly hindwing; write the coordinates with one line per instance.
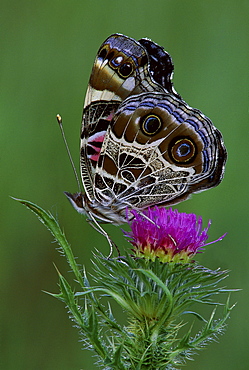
(157, 150)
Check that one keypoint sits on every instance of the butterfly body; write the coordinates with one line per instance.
(141, 144)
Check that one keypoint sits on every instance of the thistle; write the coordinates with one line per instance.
(168, 235)
(157, 284)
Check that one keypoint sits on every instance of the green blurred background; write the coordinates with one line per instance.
(46, 53)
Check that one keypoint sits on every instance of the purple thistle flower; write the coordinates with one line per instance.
(167, 234)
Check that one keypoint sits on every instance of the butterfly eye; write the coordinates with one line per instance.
(183, 150)
(151, 125)
(125, 70)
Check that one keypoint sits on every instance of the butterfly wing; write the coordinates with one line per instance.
(157, 151)
(141, 144)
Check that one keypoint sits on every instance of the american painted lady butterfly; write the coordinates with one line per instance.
(141, 144)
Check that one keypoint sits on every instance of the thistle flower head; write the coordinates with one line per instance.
(167, 234)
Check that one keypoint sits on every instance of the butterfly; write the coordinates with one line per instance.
(141, 144)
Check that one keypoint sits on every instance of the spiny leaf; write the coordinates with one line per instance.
(51, 223)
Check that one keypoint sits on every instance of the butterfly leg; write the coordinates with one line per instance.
(94, 223)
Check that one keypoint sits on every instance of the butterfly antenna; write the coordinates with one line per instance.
(59, 120)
